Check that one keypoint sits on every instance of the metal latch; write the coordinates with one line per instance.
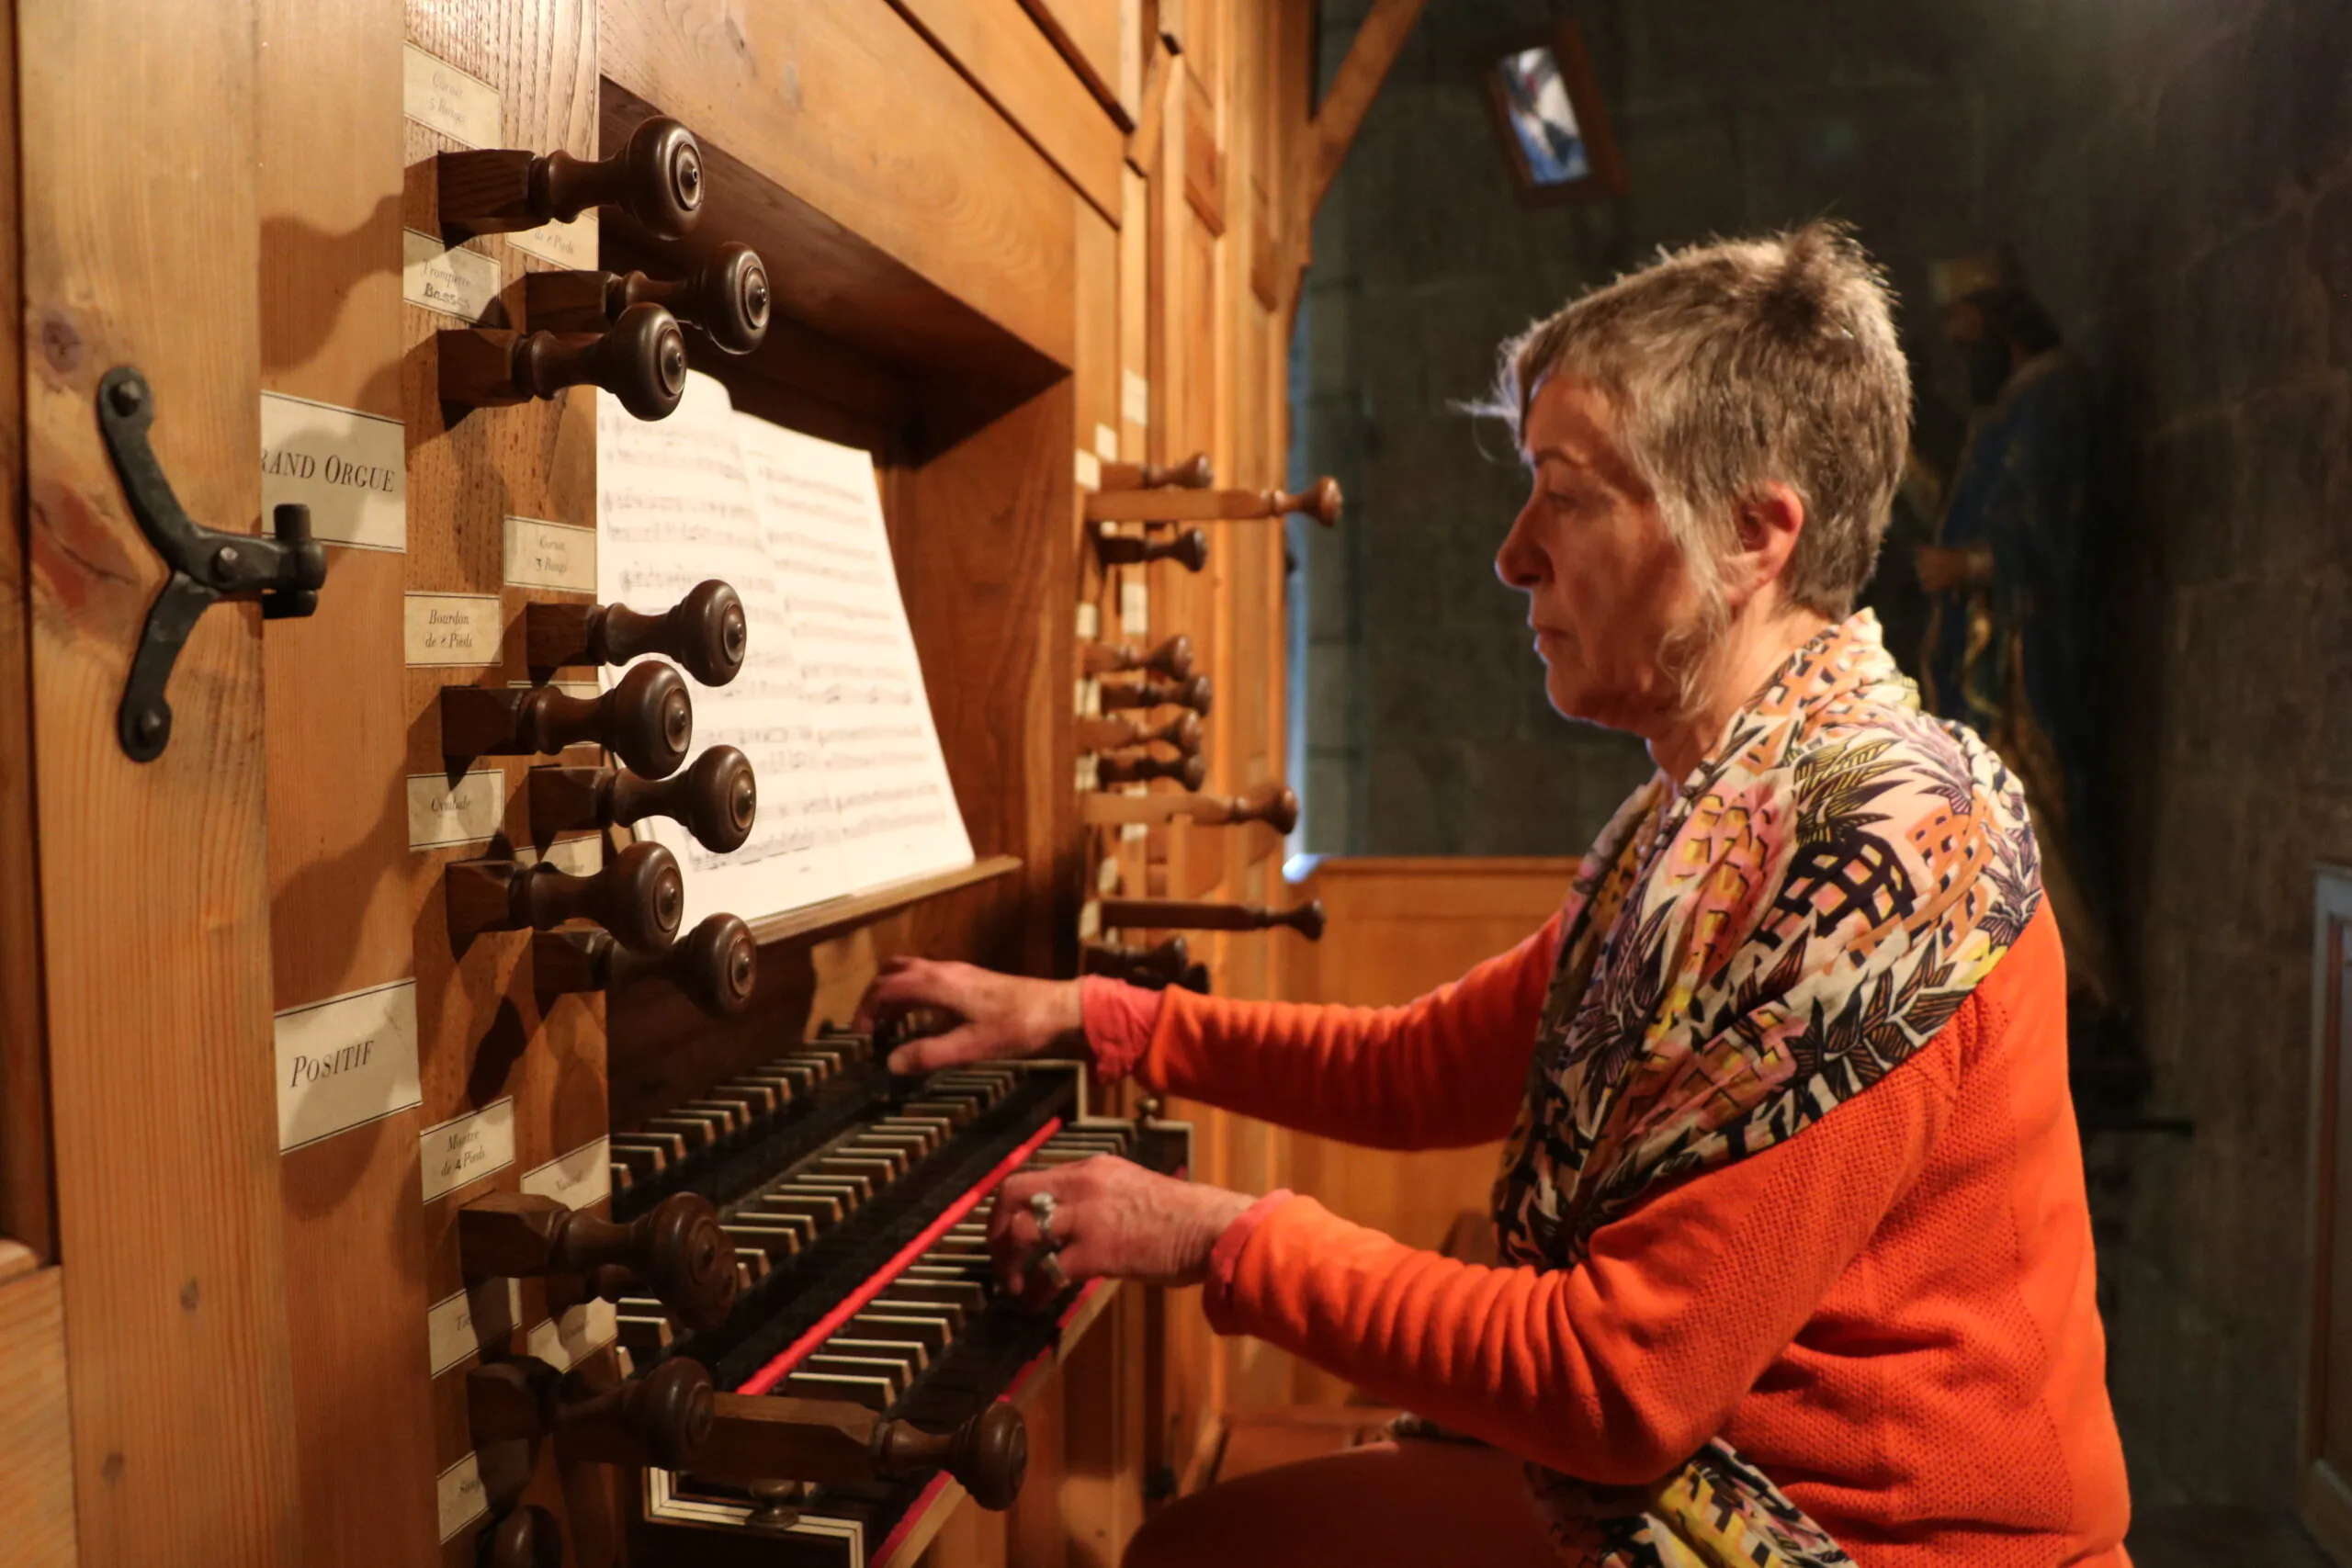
(284, 572)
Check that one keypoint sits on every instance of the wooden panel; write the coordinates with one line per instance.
(483, 1034)
(847, 110)
(35, 1429)
(155, 892)
(983, 542)
(999, 46)
(26, 1213)
(1400, 928)
(341, 911)
(1099, 40)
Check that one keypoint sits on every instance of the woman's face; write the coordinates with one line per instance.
(1606, 587)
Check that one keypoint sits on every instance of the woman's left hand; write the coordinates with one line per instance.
(1112, 1218)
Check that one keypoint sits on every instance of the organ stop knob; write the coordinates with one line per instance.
(641, 361)
(717, 964)
(706, 632)
(1173, 658)
(717, 799)
(1170, 914)
(1181, 729)
(727, 297)
(1189, 549)
(639, 896)
(1191, 771)
(647, 720)
(1273, 804)
(762, 1438)
(1194, 472)
(1320, 501)
(662, 1418)
(527, 1537)
(1193, 693)
(676, 1252)
(656, 178)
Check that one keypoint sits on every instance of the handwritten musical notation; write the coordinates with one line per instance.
(829, 707)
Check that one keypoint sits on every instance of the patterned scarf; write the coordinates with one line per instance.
(1738, 957)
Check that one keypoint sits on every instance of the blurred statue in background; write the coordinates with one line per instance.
(2011, 625)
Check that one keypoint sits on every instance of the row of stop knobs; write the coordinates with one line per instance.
(621, 332)
(637, 900)
(679, 1254)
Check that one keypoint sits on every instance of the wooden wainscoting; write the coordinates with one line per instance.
(1398, 927)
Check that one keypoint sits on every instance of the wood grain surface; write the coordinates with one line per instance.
(337, 697)
(155, 891)
(844, 108)
(26, 1200)
(36, 1422)
(1000, 48)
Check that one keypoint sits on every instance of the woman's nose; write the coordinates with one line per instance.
(1519, 563)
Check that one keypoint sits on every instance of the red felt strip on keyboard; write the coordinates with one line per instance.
(792, 1355)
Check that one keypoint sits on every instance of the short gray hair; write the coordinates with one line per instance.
(1737, 364)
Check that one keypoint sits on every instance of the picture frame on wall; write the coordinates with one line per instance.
(1549, 116)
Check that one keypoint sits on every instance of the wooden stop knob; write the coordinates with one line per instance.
(1319, 501)
(989, 1453)
(1193, 693)
(641, 361)
(1189, 549)
(527, 1537)
(662, 1418)
(1276, 805)
(706, 631)
(727, 297)
(717, 964)
(717, 799)
(656, 178)
(640, 897)
(1191, 770)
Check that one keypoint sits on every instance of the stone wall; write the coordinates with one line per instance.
(2177, 175)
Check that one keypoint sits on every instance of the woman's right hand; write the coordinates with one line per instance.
(1001, 1015)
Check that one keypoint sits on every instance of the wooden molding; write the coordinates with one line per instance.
(1377, 44)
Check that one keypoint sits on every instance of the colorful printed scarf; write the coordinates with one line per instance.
(1738, 957)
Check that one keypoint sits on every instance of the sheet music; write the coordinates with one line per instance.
(822, 512)
(830, 706)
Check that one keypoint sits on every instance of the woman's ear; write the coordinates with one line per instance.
(1766, 522)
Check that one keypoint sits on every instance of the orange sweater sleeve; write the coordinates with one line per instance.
(1621, 1368)
(1445, 1071)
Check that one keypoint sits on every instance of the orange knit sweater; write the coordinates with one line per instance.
(1891, 1314)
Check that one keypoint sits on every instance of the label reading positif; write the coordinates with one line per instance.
(459, 282)
(453, 628)
(460, 1324)
(349, 468)
(441, 813)
(458, 104)
(345, 1061)
(550, 555)
(468, 1148)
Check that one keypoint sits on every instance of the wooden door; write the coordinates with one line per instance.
(139, 233)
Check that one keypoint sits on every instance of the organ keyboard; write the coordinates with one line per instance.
(859, 1206)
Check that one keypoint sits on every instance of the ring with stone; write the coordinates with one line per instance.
(1042, 1205)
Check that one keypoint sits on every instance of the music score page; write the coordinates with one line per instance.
(830, 706)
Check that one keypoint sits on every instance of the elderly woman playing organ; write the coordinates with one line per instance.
(1796, 1259)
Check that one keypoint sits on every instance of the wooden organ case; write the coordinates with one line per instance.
(568, 1282)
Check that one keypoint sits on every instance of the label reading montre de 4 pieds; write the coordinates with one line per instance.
(467, 1148)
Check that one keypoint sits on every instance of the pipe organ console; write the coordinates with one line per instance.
(511, 1202)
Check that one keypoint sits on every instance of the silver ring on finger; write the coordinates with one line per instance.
(1051, 1268)
(1042, 1205)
